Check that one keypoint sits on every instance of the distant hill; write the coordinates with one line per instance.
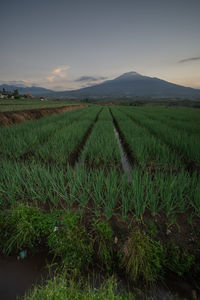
(33, 90)
(128, 85)
(132, 84)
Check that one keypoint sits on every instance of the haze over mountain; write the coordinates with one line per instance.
(131, 84)
(22, 89)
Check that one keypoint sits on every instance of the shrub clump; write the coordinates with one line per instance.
(103, 243)
(142, 257)
(24, 226)
(178, 261)
(71, 243)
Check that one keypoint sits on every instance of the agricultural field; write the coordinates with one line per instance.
(23, 104)
(108, 189)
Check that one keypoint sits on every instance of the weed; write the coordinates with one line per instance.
(143, 257)
(178, 261)
(103, 242)
(24, 226)
(61, 288)
(152, 229)
(71, 243)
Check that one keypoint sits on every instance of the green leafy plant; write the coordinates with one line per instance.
(71, 243)
(103, 242)
(178, 261)
(142, 257)
(62, 288)
(151, 227)
(25, 226)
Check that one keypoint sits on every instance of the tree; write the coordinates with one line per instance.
(16, 94)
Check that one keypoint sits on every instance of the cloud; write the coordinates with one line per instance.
(51, 78)
(89, 78)
(189, 59)
(57, 73)
(61, 71)
(20, 83)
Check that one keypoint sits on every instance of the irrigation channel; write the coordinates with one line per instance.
(126, 165)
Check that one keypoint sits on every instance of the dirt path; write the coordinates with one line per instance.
(20, 116)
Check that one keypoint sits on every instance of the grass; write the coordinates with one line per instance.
(57, 288)
(143, 257)
(71, 243)
(24, 227)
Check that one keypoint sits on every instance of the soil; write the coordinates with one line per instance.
(20, 116)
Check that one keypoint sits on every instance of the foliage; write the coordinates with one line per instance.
(103, 242)
(71, 243)
(61, 288)
(178, 261)
(25, 226)
(151, 227)
(143, 257)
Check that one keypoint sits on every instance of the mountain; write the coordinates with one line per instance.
(33, 90)
(132, 84)
(128, 85)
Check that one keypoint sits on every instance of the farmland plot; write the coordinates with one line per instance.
(67, 169)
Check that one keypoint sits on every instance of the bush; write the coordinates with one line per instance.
(103, 243)
(25, 226)
(143, 257)
(71, 243)
(178, 261)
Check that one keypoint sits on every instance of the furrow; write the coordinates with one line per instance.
(125, 148)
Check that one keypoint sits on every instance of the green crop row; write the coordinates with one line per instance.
(179, 114)
(183, 142)
(107, 193)
(26, 137)
(148, 150)
(61, 145)
(101, 149)
(158, 183)
(191, 126)
(161, 183)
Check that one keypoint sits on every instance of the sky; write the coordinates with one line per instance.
(68, 44)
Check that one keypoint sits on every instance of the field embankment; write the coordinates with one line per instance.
(20, 116)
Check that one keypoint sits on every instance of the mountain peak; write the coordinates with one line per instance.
(129, 75)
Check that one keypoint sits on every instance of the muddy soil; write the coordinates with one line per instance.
(20, 116)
